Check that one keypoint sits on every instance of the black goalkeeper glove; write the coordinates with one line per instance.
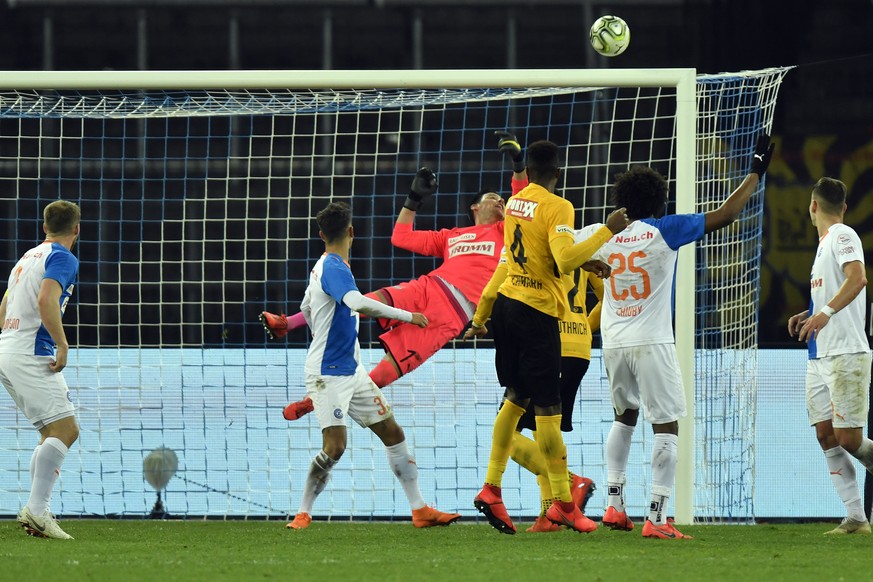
(509, 147)
(423, 185)
(763, 153)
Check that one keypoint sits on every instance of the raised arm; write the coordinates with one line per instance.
(730, 209)
(404, 236)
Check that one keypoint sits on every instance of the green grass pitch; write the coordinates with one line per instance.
(131, 550)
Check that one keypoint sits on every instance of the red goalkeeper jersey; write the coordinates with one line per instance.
(470, 254)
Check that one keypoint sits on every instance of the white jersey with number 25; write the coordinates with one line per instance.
(638, 296)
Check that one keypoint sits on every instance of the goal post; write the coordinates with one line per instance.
(198, 191)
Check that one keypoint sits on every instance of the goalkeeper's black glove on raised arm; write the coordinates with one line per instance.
(423, 185)
(763, 153)
(508, 146)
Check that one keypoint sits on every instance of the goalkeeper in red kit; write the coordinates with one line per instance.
(447, 296)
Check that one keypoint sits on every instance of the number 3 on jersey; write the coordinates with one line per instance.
(638, 289)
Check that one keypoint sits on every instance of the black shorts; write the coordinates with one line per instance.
(527, 346)
(572, 372)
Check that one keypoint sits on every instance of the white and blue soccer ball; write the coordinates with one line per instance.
(610, 35)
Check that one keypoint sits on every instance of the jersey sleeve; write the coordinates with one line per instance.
(587, 232)
(681, 229)
(431, 243)
(847, 247)
(518, 185)
(337, 280)
(62, 267)
(489, 293)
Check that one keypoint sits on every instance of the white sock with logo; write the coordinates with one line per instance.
(844, 478)
(404, 467)
(45, 468)
(316, 480)
(618, 444)
(665, 449)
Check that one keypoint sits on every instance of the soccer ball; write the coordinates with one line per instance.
(610, 35)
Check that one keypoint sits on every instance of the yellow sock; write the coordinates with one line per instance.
(527, 453)
(555, 452)
(570, 476)
(546, 498)
(501, 441)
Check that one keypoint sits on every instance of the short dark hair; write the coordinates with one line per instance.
(476, 199)
(542, 160)
(831, 193)
(61, 217)
(333, 220)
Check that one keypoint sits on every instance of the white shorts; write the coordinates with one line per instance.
(40, 394)
(838, 388)
(336, 396)
(647, 375)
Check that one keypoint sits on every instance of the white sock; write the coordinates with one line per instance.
(46, 466)
(665, 448)
(33, 463)
(845, 481)
(618, 444)
(316, 480)
(404, 467)
(865, 453)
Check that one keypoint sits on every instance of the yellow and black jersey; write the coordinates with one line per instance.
(539, 247)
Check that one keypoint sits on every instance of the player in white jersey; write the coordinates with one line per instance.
(636, 325)
(335, 379)
(36, 296)
(838, 370)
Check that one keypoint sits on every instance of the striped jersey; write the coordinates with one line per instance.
(334, 350)
(23, 331)
(844, 333)
(638, 297)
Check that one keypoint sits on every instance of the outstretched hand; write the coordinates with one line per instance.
(423, 185)
(509, 146)
(763, 153)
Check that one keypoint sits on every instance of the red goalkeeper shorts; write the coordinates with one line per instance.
(411, 345)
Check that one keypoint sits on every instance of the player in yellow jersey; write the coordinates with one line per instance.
(539, 246)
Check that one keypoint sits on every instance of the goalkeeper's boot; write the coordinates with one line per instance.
(431, 517)
(490, 503)
(301, 521)
(276, 326)
(566, 513)
(615, 519)
(44, 526)
(297, 409)
(667, 531)
(543, 525)
(850, 526)
(582, 489)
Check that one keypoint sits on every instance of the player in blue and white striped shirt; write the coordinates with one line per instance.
(36, 296)
(335, 379)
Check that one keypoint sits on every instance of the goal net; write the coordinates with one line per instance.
(197, 214)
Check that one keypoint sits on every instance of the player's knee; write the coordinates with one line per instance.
(334, 450)
(629, 417)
